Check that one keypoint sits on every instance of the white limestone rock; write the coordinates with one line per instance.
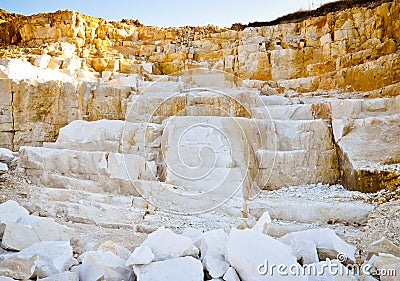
(6, 156)
(18, 268)
(31, 229)
(195, 235)
(176, 269)
(116, 249)
(3, 168)
(3, 278)
(383, 246)
(329, 270)
(167, 245)
(213, 252)
(103, 265)
(140, 256)
(64, 276)
(388, 265)
(11, 211)
(231, 275)
(304, 244)
(252, 253)
(53, 257)
(263, 223)
(17, 237)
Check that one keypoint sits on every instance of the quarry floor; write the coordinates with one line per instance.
(384, 221)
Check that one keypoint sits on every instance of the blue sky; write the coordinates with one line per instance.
(169, 12)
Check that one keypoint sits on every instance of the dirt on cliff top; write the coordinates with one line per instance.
(321, 11)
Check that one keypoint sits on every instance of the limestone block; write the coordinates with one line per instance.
(185, 268)
(165, 244)
(84, 164)
(103, 264)
(207, 154)
(367, 155)
(52, 257)
(3, 168)
(31, 229)
(64, 276)
(248, 251)
(140, 256)
(18, 268)
(325, 240)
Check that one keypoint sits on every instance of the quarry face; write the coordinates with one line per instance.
(132, 152)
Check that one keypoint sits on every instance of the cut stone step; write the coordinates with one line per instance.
(312, 204)
(285, 112)
(297, 167)
(370, 154)
(300, 135)
(110, 136)
(155, 107)
(279, 228)
(41, 163)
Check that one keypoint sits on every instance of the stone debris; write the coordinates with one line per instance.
(246, 254)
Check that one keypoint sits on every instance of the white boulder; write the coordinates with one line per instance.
(387, 265)
(116, 249)
(3, 168)
(194, 234)
(11, 211)
(103, 265)
(263, 223)
(32, 229)
(140, 256)
(18, 268)
(231, 275)
(3, 278)
(6, 156)
(383, 246)
(53, 257)
(254, 255)
(64, 276)
(304, 245)
(329, 270)
(165, 244)
(177, 269)
(213, 252)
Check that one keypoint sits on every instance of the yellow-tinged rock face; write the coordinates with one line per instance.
(98, 68)
(353, 46)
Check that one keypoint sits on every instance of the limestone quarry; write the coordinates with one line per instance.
(133, 152)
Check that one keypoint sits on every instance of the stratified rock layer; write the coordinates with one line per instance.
(329, 84)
